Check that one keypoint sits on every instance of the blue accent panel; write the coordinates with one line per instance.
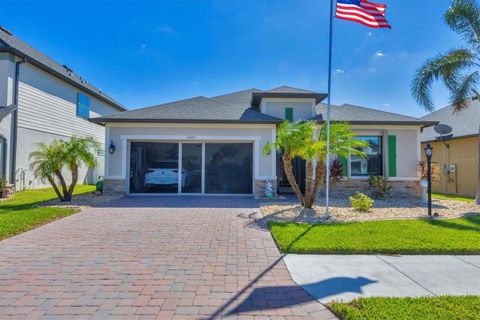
(83, 106)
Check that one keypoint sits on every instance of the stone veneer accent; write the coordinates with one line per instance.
(348, 187)
(114, 186)
(260, 188)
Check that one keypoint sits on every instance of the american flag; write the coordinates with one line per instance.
(362, 11)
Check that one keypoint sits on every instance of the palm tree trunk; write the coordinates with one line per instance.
(74, 169)
(309, 185)
(320, 170)
(287, 166)
(55, 187)
(477, 199)
(59, 175)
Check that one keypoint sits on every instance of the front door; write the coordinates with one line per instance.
(299, 172)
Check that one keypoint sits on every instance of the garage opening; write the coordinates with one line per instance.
(191, 168)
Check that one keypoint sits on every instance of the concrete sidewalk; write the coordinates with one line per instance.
(346, 277)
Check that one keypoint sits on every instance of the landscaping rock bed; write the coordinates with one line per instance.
(85, 200)
(340, 210)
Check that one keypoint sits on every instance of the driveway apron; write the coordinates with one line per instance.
(152, 258)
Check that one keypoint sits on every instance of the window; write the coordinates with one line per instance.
(83, 106)
(372, 164)
(289, 114)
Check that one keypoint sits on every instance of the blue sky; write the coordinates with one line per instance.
(149, 52)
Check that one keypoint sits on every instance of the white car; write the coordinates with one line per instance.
(163, 173)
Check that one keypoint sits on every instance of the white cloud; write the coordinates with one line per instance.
(144, 46)
(386, 105)
(339, 71)
(379, 54)
(166, 29)
(370, 34)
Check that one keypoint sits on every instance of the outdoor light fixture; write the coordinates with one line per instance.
(112, 147)
(428, 154)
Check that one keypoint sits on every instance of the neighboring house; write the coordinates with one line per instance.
(214, 145)
(456, 154)
(40, 101)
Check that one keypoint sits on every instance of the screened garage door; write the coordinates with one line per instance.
(191, 167)
(228, 168)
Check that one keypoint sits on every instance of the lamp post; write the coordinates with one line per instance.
(428, 154)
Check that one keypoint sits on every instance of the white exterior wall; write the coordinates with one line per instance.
(117, 164)
(47, 109)
(303, 109)
(408, 148)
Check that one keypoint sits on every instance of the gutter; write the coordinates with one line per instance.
(14, 129)
(103, 121)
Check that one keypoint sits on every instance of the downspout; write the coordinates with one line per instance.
(13, 138)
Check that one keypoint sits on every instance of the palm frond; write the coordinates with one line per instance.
(463, 17)
(446, 67)
(466, 88)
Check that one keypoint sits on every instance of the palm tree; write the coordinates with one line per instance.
(47, 160)
(459, 69)
(292, 140)
(302, 139)
(76, 152)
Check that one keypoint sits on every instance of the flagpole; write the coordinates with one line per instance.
(327, 188)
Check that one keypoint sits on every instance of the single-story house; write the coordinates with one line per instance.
(42, 100)
(456, 153)
(214, 145)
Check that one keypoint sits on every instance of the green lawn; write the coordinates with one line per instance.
(454, 236)
(452, 197)
(20, 214)
(428, 308)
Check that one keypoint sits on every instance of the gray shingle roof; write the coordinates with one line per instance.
(12, 44)
(285, 92)
(239, 98)
(361, 115)
(199, 109)
(464, 123)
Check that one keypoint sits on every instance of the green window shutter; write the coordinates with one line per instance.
(289, 114)
(392, 156)
(344, 163)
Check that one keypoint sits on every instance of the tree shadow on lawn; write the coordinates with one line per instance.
(473, 219)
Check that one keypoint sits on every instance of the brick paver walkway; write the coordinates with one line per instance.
(152, 258)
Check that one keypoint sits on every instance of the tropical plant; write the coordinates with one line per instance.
(336, 172)
(50, 161)
(361, 202)
(304, 140)
(379, 186)
(459, 68)
(422, 165)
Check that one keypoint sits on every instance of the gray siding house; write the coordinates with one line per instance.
(42, 100)
(214, 145)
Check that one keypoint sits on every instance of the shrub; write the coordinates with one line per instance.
(361, 202)
(379, 186)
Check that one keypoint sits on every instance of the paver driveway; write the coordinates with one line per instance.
(152, 257)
